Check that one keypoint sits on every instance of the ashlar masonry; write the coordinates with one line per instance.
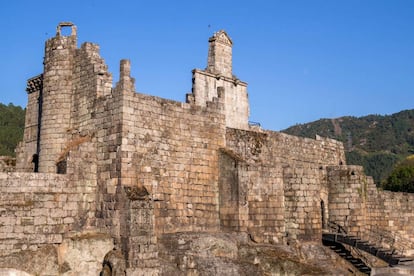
(104, 159)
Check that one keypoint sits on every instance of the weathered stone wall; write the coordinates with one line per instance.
(348, 197)
(390, 219)
(165, 151)
(39, 209)
(108, 139)
(205, 86)
(305, 194)
(219, 60)
(219, 75)
(57, 97)
(382, 217)
(282, 183)
(230, 196)
(90, 81)
(171, 149)
(140, 239)
(7, 164)
(26, 149)
(139, 167)
(274, 148)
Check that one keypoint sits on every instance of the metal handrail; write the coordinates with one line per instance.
(251, 123)
(340, 235)
(337, 227)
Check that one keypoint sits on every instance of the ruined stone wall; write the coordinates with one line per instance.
(57, 96)
(7, 164)
(41, 208)
(157, 167)
(251, 198)
(219, 75)
(91, 86)
(219, 60)
(230, 193)
(381, 217)
(79, 118)
(138, 167)
(283, 181)
(205, 85)
(108, 139)
(275, 148)
(27, 148)
(348, 197)
(390, 220)
(38, 209)
(171, 149)
(305, 195)
(90, 80)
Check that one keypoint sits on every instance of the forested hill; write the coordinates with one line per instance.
(374, 141)
(11, 128)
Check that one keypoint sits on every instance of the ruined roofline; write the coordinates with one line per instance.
(66, 24)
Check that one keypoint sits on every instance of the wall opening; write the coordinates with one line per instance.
(323, 214)
(113, 264)
(35, 161)
(66, 29)
(61, 167)
(106, 270)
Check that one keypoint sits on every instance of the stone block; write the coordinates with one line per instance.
(39, 220)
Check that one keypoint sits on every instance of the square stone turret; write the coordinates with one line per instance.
(219, 74)
(220, 54)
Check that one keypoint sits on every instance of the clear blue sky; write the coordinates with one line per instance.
(303, 60)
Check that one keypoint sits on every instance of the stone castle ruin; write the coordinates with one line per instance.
(106, 173)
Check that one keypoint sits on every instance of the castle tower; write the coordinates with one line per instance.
(219, 74)
(56, 98)
(220, 54)
(27, 150)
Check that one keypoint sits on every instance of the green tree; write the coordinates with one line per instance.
(11, 128)
(401, 178)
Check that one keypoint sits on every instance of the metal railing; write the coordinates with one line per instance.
(337, 228)
(254, 124)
